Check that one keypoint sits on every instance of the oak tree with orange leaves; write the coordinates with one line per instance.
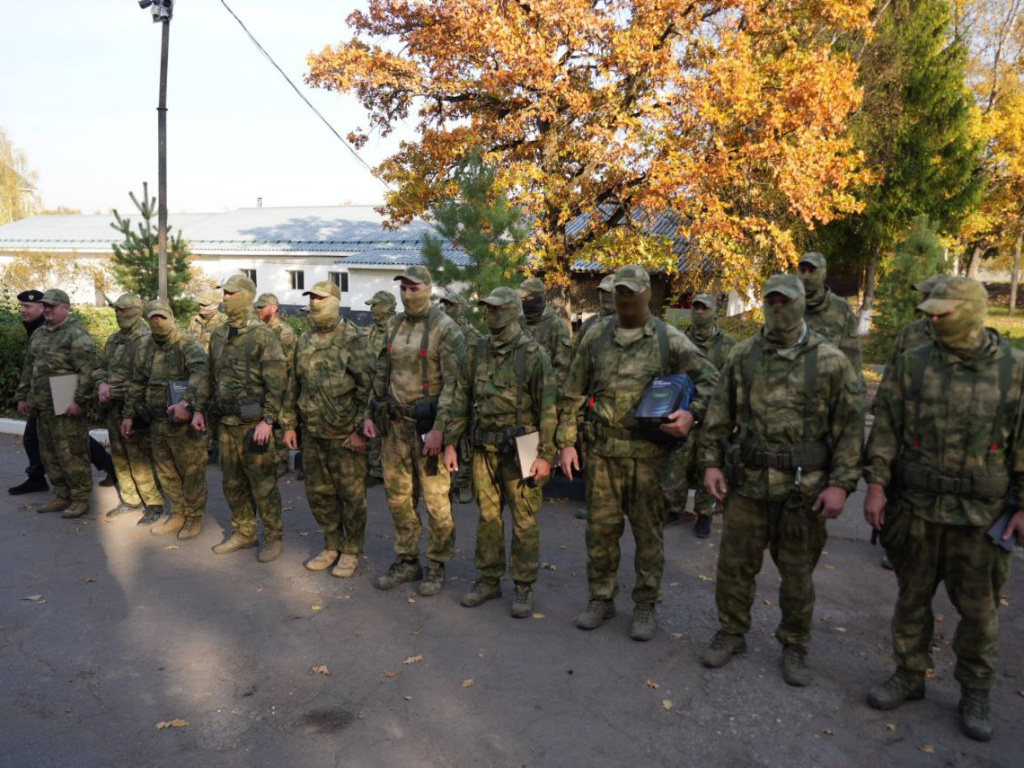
(730, 113)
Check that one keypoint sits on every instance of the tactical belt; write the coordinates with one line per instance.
(985, 485)
(602, 432)
(806, 456)
(500, 438)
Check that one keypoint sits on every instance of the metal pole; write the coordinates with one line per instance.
(161, 112)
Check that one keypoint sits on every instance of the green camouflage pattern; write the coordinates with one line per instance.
(497, 482)
(64, 446)
(832, 317)
(202, 328)
(248, 479)
(376, 339)
(286, 337)
(115, 362)
(336, 491)
(916, 334)
(68, 348)
(715, 346)
(551, 333)
(179, 457)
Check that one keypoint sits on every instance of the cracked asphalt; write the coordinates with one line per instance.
(130, 630)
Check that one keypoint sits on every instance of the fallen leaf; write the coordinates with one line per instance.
(939, 618)
(928, 749)
(674, 584)
(175, 723)
(548, 566)
(666, 704)
(33, 598)
(830, 567)
(481, 655)
(767, 602)
(347, 597)
(468, 683)
(840, 629)
(1004, 603)
(651, 684)
(303, 533)
(408, 698)
(702, 577)
(410, 600)
(538, 615)
(389, 674)
(260, 589)
(321, 670)
(890, 726)
(88, 581)
(316, 607)
(416, 632)
(413, 659)
(829, 732)
(562, 546)
(172, 546)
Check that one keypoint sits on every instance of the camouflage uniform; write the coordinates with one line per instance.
(286, 336)
(382, 305)
(830, 315)
(794, 414)
(179, 452)
(916, 334)
(611, 373)
(133, 457)
(547, 328)
(202, 328)
(607, 309)
(462, 483)
(489, 388)
(63, 440)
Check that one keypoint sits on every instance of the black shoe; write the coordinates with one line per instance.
(109, 481)
(702, 528)
(153, 513)
(32, 485)
(671, 518)
(124, 509)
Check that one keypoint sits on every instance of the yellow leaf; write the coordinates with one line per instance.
(829, 732)
(410, 600)
(890, 726)
(175, 723)
(321, 670)
(538, 615)
(172, 546)
(702, 577)
(830, 567)
(389, 674)
(651, 684)
(840, 629)
(468, 683)
(666, 704)
(317, 607)
(928, 749)
(34, 598)
(413, 659)
(408, 698)
(88, 581)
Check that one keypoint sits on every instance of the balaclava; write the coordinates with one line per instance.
(323, 313)
(239, 307)
(784, 326)
(814, 283)
(416, 304)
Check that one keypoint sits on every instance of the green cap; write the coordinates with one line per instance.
(815, 259)
(927, 286)
(607, 285)
(55, 296)
(387, 297)
(127, 301)
(501, 296)
(209, 297)
(790, 286)
(707, 300)
(158, 307)
(323, 289)
(530, 286)
(267, 300)
(633, 277)
(416, 273)
(237, 283)
(950, 294)
(454, 298)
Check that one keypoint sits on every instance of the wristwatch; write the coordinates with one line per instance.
(268, 420)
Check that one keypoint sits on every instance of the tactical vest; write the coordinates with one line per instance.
(502, 436)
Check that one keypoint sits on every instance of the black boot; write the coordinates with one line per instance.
(124, 509)
(153, 513)
(31, 485)
(109, 481)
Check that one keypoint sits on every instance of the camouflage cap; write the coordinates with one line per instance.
(31, 296)
(951, 293)
(55, 296)
(266, 300)
(500, 297)
(815, 259)
(707, 300)
(386, 297)
(607, 285)
(158, 307)
(209, 297)
(323, 289)
(127, 301)
(927, 286)
(790, 286)
(633, 277)
(237, 283)
(532, 285)
(416, 273)
(454, 298)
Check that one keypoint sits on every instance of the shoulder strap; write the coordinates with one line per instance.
(520, 363)
(387, 351)
(666, 361)
(595, 351)
(425, 350)
(750, 363)
(1005, 385)
(716, 346)
(810, 391)
(918, 365)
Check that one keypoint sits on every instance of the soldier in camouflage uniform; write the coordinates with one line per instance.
(454, 305)
(917, 333)
(60, 347)
(945, 460)
(416, 373)
(790, 409)
(544, 325)
(133, 457)
(167, 355)
(828, 314)
(209, 319)
(606, 308)
(382, 307)
(616, 363)
(506, 387)
(267, 307)
(246, 383)
(327, 392)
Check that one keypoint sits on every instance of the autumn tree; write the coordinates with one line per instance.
(730, 113)
(18, 198)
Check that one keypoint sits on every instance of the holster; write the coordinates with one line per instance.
(143, 416)
(425, 413)
(895, 533)
(732, 464)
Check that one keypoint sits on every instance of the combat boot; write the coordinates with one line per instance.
(433, 579)
(644, 622)
(270, 550)
(57, 505)
(31, 485)
(595, 614)
(171, 524)
(582, 513)
(152, 514)
(794, 665)
(76, 509)
(901, 686)
(400, 572)
(702, 528)
(235, 542)
(346, 566)
(722, 648)
(323, 561)
(522, 605)
(481, 591)
(109, 481)
(193, 527)
(123, 509)
(974, 720)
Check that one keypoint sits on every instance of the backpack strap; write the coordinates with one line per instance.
(810, 391)
(750, 365)
(918, 365)
(520, 363)
(666, 360)
(595, 351)
(399, 319)
(1005, 385)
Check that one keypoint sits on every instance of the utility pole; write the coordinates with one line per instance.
(161, 10)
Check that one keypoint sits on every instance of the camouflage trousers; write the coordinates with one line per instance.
(405, 475)
(249, 479)
(282, 449)
(620, 488)
(497, 482)
(336, 491)
(133, 462)
(795, 537)
(179, 455)
(373, 458)
(64, 445)
(975, 571)
(683, 475)
(464, 478)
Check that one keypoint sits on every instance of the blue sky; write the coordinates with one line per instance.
(78, 93)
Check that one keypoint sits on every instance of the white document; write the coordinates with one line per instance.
(62, 390)
(526, 450)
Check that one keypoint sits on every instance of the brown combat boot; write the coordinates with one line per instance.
(57, 505)
(481, 591)
(270, 550)
(346, 566)
(902, 685)
(171, 524)
(644, 622)
(235, 542)
(974, 720)
(192, 528)
(323, 561)
(794, 665)
(76, 509)
(722, 648)
(595, 613)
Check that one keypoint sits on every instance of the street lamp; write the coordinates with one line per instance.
(161, 11)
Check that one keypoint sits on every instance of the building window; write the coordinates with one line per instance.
(298, 280)
(250, 273)
(340, 279)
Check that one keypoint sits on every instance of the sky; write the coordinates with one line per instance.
(79, 89)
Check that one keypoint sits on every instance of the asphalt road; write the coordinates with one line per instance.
(129, 630)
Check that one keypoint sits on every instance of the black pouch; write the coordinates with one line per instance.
(425, 413)
(732, 465)
(250, 412)
(251, 446)
(895, 530)
(143, 416)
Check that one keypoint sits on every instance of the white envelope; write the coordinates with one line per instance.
(62, 390)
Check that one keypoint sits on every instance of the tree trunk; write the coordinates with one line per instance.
(974, 263)
(1015, 275)
(864, 313)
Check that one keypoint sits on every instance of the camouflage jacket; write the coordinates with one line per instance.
(717, 346)
(833, 319)
(179, 358)
(376, 339)
(776, 403)
(470, 335)
(286, 337)
(118, 357)
(915, 334)
(68, 348)
(951, 421)
(617, 379)
(488, 394)
(551, 333)
(585, 327)
(330, 382)
(246, 365)
(202, 328)
(445, 350)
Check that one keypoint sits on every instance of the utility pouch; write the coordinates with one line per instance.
(250, 412)
(251, 446)
(425, 414)
(143, 416)
(896, 530)
(732, 465)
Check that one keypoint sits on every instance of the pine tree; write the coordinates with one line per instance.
(136, 259)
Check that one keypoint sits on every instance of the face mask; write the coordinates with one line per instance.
(606, 303)
(704, 321)
(381, 314)
(454, 311)
(500, 318)
(814, 283)
(163, 330)
(239, 307)
(784, 325)
(963, 329)
(127, 318)
(418, 303)
(209, 311)
(323, 314)
(633, 309)
(534, 305)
